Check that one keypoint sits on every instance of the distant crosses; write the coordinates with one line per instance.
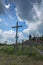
(17, 26)
(30, 43)
(22, 44)
(30, 40)
(30, 37)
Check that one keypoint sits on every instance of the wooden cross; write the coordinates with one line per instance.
(17, 26)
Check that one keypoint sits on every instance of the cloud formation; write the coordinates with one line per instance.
(9, 36)
(25, 9)
(30, 11)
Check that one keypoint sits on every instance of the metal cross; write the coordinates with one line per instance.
(17, 26)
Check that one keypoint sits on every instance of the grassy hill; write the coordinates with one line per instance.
(8, 55)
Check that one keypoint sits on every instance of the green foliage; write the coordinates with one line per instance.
(40, 47)
(36, 55)
(9, 50)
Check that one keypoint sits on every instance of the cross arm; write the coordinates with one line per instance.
(16, 26)
(20, 26)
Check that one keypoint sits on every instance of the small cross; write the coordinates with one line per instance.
(17, 26)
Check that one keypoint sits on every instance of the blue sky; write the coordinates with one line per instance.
(28, 13)
(9, 18)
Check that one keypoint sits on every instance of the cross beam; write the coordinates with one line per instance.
(17, 26)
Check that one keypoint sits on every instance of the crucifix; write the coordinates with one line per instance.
(17, 26)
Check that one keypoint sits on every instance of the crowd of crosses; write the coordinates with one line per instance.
(17, 26)
(16, 45)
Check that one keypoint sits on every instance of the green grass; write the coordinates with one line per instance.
(9, 50)
(8, 56)
(40, 47)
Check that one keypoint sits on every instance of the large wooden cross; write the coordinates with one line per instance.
(17, 26)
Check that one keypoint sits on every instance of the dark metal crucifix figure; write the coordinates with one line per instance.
(17, 26)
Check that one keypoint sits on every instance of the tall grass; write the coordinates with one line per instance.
(9, 50)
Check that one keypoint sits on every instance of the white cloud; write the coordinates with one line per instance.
(21, 36)
(7, 6)
(32, 28)
(37, 10)
(26, 31)
(9, 36)
(6, 36)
